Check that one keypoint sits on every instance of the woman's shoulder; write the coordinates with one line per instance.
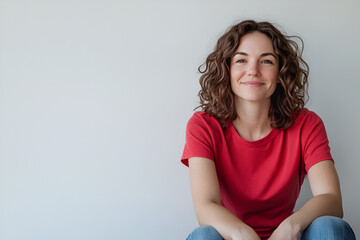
(306, 116)
(203, 116)
(203, 119)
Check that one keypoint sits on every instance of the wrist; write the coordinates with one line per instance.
(293, 224)
(244, 232)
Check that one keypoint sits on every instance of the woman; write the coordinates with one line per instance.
(250, 148)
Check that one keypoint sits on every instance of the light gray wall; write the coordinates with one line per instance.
(95, 96)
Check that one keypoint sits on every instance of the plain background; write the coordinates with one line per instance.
(95, 96)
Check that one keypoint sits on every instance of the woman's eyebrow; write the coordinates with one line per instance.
(262, 55)
(241, 53)
(267, 54)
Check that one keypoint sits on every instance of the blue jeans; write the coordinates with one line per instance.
(322, 228)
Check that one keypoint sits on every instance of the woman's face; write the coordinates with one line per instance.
(254, 69)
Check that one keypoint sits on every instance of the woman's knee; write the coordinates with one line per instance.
(328, 227)
(205, 232)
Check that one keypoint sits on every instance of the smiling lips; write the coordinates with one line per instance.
(253, 83)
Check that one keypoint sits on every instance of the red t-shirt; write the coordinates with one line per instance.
(260, 180)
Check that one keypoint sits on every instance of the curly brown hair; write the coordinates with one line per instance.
(217, 98)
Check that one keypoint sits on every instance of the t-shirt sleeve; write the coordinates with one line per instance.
(198, 141)
(315, 141)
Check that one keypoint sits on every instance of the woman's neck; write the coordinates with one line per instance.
(253, 121)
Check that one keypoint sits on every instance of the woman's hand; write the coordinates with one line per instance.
(286, 231)
(245, 233)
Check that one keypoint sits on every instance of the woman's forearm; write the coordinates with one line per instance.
(207, 203)
(320, 205)
(325, 187)
(226, 223)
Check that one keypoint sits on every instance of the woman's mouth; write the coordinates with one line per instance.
(253, 83)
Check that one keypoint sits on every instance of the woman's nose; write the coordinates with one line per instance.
(253, 69)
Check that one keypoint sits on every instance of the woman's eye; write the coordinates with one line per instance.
(240, 61)
(267, 62)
